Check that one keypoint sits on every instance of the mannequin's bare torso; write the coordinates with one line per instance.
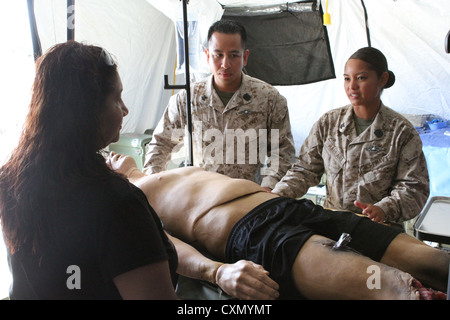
(200, 207)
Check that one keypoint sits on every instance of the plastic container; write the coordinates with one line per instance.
(437, 124)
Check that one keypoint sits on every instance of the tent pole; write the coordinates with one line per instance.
(37, 49)
(187, 86)
(70, 20)
(366, 18)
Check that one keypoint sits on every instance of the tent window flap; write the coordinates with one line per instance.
(287, 46)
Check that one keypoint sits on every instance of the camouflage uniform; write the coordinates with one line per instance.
(383, 166)
(256, 108)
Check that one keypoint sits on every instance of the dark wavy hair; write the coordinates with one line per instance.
(377, 61)
(228, 27)
(59, 146)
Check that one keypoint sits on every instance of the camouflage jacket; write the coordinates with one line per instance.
(249, 138)
(383, 166)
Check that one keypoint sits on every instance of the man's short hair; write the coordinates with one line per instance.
(228, 27)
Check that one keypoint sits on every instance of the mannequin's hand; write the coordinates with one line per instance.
(246, 280)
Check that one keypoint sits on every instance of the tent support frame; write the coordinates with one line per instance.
(37, 49)
(366, 18)
(186, 86)
(70, 20)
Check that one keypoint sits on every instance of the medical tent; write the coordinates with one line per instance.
(144, 37)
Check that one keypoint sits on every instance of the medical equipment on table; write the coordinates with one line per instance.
(433, 224)
(132, 144)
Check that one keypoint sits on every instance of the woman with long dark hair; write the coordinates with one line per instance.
(74, 229)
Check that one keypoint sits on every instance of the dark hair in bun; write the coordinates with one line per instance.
(377, 61)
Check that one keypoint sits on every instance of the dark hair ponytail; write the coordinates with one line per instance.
(391, 80)
(376, 59)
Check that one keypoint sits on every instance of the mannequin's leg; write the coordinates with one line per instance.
(320, 272)
(428, 265)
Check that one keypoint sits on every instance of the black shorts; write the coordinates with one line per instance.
(273, 233)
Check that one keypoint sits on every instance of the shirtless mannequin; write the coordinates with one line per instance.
(200, 208)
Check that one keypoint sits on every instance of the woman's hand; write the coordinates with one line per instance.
(374, 213)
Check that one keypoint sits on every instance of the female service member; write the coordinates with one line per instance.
(372, 156)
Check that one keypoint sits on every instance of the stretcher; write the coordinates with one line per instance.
(193, 289)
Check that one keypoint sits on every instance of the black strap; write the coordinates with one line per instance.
(366, 18)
